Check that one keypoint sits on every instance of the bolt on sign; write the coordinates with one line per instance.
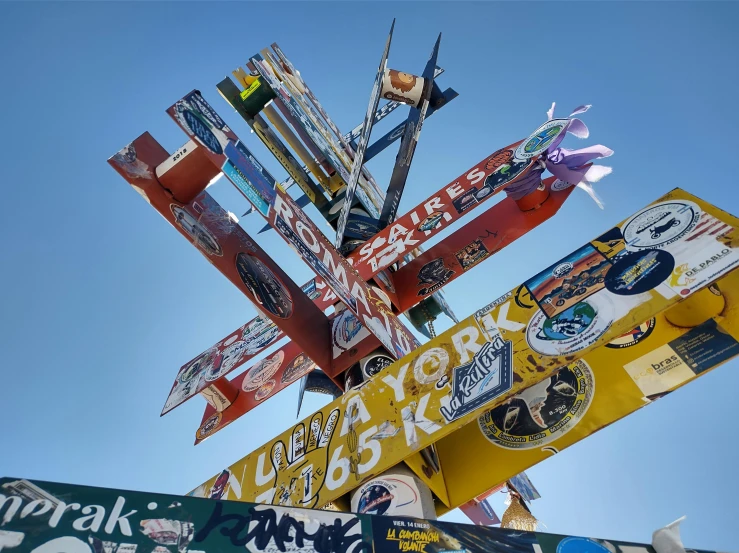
(593, 297)
(47, 517)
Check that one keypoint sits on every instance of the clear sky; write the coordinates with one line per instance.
(103, 301)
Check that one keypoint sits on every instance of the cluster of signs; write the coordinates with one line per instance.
(521, 373)
(45, 517)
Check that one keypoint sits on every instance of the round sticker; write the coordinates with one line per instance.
(260, 340)
(198, 366)
(209, 426)
(298, 367)
(261, 372)
(581, 545)
(559, 184)
(562, 270)
(386, 496)
(373, 364)
(638, 272)
(200, 128)
(541, 138)
(266, 287)
(634, 336)
(201, 236)
(574, 329)
(660, 224)
(265, 390)
(345, 330)
(543, 412)
(228, 360)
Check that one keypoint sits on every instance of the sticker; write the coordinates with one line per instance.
(226, 360)
(488, 375)
(660, 224)
(214, 396)
(264, 285)
(466, 200)
(638, 272)
(198, 120)
(386, 496)
(559, 185)
(634, 336)
(431, 222)
(435, 274)
(374, 364)
(541, 138)
(574, 329)
(220, 486)
(583, 545)
(502, 176)
(260, 339)
(543, 412)
(499, 158)
(251, 89)
(311, 290)
(430, 366)
(571, 280)
(209, 426)
(385, 280)
(264, 390)
(610, 243)
(258, 374)
(198, 366)
(472, 254)
(201, 236)
(298, 367)
(346, 331)
(669, 366)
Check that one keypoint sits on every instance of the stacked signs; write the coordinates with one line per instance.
(498, 369)
(45, 517)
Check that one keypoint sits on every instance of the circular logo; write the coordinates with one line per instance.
(559, 184)
(345, 330)
(374, 364)
(543, 412)
(258, 340)
(504, 174)
(638, 272)
(261, 372)
(562, 270)
(576, 328)
(541, 138)
(264, 390)
(581, 545)
(228, 360)
(201, 236)
(500, 157)
(660, 224)
(634, 336)
(375, 499)
(298, 367)
(198, 366)
(209, 426)
(266, 287)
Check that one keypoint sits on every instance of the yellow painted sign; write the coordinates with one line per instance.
(609, 383)
(588, 299)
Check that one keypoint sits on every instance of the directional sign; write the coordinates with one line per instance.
(519, 340)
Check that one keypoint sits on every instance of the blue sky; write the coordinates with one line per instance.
(103, 301)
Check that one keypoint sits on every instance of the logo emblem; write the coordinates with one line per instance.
(541, 138)
(660, 225)
(203, 238)
(634, 336)
(487, 376)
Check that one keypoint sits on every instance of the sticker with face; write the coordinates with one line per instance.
(268, 290)
(210, 425)
(260, 373)
(661, 224)
(543, 412)
(201, 236)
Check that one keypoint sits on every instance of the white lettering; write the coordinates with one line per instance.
(464, 347)
(261, 478)
(59, 511)
(283, 210)
(66, 544)
(433, 204)
(397, 383)
(475, 176)
(395, 231)
(116, 519)
(491, 325)
(15, 504)
(454, 190)
(46, 506)
(417, 418)
(358, 293)
(94, 520)
(355, 410)
(307, 236)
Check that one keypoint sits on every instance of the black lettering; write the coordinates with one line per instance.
(326, 539)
